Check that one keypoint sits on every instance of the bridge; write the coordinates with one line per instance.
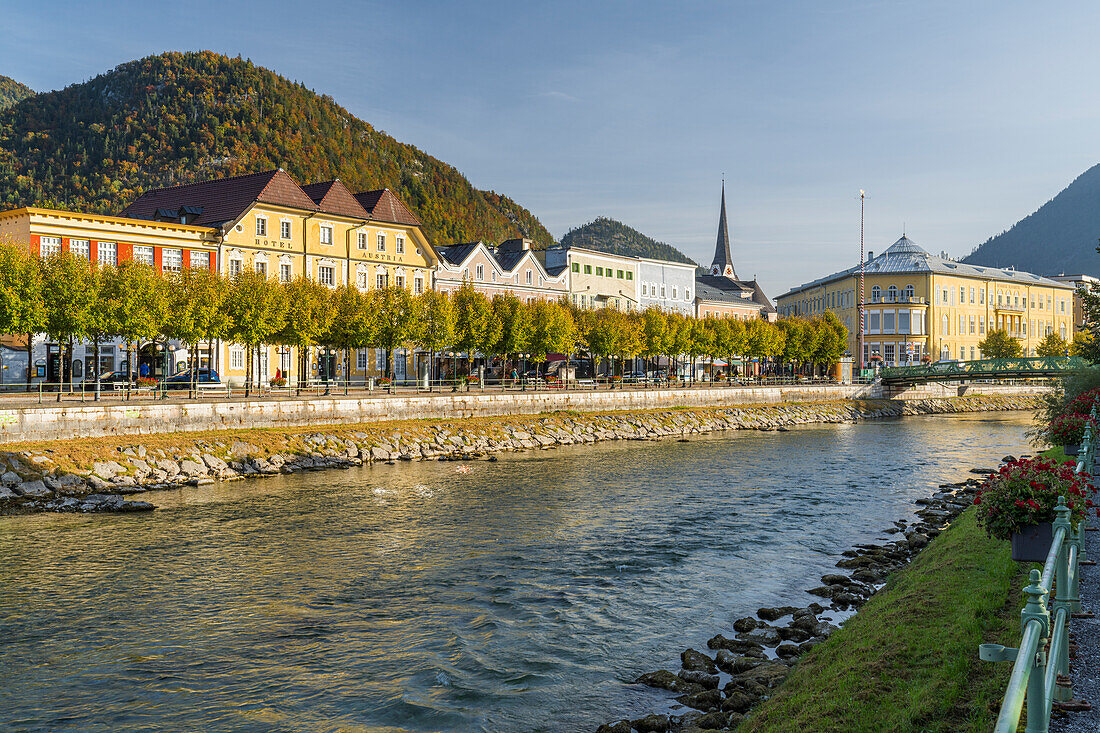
(1017, 368)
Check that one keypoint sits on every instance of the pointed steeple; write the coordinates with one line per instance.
(723, 260)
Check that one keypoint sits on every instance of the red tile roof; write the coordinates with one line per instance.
(333, 197)
(384, 205)
(223, 199)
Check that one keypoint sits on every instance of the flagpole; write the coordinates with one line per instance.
(862, 286)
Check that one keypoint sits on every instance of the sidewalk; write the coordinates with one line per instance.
(1085, 668)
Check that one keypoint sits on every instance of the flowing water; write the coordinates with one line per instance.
(521, 595)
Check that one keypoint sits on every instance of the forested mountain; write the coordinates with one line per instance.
(614, 237)
(183, 117)
(12, 91)
(1059, 238)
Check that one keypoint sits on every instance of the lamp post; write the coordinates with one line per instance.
(523, 372)
(862, 284)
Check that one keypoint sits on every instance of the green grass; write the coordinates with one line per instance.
(908, 661)
(1056, 453)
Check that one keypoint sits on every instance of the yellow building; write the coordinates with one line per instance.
(918, 305)
(267, 222)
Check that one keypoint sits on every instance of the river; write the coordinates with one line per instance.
(519, 595)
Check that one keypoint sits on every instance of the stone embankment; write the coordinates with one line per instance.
(95, 475)
(718, 689)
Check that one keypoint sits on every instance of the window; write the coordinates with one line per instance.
(962, 295)
(261, 268)
(380, 281)
(973, 325)
(892, 293)
(981, 296)
(687, 293)
(903, 321)
(529, 277)
(361, 359)
(200, 260)
(1062, 309)
(599, 271)
(284, 272)
(326, 275)
(662, 290)
(261, 226)
(971, 295)
(946, 325)
(284, 229)
(629, 275)
(361, 280)
(49, 246)
(418, 285)
(576, 267)
(108, 253)
(326, 235)
(945, 298)
(399, 281)
(888, 325)
(143, 254)
(284, 359)
(479, 272)
(234, 268)
(400, 245)
(909, 292)
(381, 242)
(645, 289)
(674, 292)
(588, 269)
(1063, 330)
(80, 248)
(619, 274)
(362, 239)
(236, 359)
(876, 294)
(171, 259)
(874, 322)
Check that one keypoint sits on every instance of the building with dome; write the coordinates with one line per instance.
(921, 306)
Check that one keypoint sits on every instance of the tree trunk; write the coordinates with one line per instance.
(248, 372)
(30, 359)
(95, 355)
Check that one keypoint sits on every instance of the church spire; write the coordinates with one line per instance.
(723, 260)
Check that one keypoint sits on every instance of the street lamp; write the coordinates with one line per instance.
(523, 371)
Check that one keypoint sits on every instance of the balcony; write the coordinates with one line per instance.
(915, 300)
(1008, 308)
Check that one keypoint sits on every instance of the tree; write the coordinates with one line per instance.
(397, 321)
(831, 339)
(22, 307)
(655, 331)
(256, 308)
(196, 312)
(352, 326)
(1052, 345)
(134, 297)
(997, 344)
(1082, 343)
(729, 337)
(516, 327)
(437, 325)
(477, 329)
(70, 296)
(1090, 302)
(308, 318)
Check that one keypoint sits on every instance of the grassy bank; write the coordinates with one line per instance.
(908, 661)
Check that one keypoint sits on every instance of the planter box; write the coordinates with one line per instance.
(1071, 450)
(1032, 543)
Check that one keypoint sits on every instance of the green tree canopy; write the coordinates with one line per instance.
(998, 344)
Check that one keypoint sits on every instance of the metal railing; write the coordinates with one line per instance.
(1040, 675)
(1036, 366)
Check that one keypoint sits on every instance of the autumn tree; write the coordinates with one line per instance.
(352, 326)
(477, 328)
(196, 312)
(397, 322)
(70, 297)
(257, 310)
(22, 307)
(308, 317)
(1052, 345)
(437, 325)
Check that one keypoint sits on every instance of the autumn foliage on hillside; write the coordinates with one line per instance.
(183, 117)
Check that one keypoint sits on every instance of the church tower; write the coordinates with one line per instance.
(723, 260)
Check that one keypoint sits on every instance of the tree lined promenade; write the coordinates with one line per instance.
(71, 300)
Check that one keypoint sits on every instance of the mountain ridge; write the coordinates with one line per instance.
(605, 234)
(12, 92)
(178, 117)
(1059, 237)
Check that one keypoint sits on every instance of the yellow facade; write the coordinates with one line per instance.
(936, 308)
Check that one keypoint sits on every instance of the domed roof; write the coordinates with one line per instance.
(905, 245)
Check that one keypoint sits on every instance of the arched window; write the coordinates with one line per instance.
(1063, 330)
(946, 325)
(876, 294)
(909, 292)
(892, 293)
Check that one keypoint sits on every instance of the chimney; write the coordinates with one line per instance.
(870, 255)
(516, 245)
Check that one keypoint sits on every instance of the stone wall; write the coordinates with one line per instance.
(88, 420)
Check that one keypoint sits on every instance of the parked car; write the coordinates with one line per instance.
(114, 380)
(182, 380)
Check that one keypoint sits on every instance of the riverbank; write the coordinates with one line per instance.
(94, 475)
(906, 661)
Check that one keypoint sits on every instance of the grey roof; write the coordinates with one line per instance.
(906, 257)
(508, 259)
(729, 290)
(722, 256)
(456, 254)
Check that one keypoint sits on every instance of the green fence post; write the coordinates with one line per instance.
(1062, 598)
(1038, 719)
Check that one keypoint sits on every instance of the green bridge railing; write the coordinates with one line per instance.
(1036, 366)
(1040, 674)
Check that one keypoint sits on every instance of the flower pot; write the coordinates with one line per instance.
(1032, 543)
(1071, 450)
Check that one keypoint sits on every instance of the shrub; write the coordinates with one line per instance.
(278, 381)
(1025, 492)
(1069, 429)
(1083, 403)
(146, 382)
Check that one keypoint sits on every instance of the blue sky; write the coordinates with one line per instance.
(957, 118)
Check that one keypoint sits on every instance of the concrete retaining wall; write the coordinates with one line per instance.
(76, 421)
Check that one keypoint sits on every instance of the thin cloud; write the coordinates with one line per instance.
(559, 96)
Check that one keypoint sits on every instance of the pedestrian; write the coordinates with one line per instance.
(515, 377)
